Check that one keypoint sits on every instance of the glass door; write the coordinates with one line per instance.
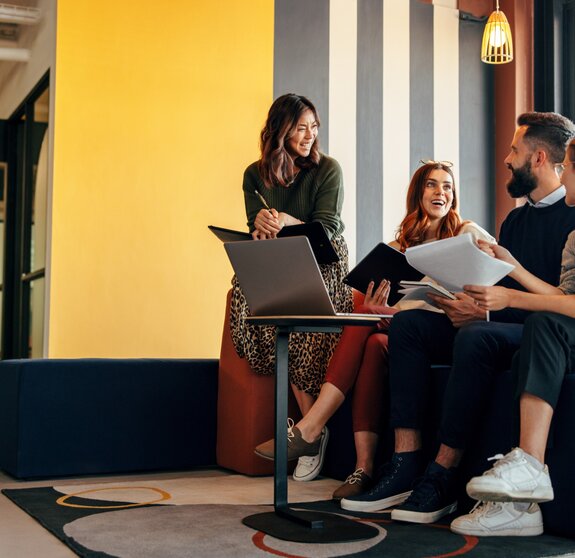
(25, 227)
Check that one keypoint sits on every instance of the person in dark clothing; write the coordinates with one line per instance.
(477, 343)
(509, 492)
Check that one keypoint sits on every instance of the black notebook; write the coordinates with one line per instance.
(315, 232)
(229, 235)
(383, 262)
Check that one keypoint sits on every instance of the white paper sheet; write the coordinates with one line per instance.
(457, 261)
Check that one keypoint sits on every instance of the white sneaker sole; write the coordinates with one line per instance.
(376, 505)
(492, 492)
(422, 517)
(316, 470)
(478, 532)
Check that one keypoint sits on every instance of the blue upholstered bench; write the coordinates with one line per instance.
(93, 416)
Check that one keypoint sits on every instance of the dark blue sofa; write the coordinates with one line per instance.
(94, 416)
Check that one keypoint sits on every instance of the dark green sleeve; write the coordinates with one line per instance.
(252, 182)
(329, 197)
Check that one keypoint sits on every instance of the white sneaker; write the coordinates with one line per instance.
(309, 466)
(512, 478)
(500, 519)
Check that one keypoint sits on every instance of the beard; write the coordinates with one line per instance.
(522, 181)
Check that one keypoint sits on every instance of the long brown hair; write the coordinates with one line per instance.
(277, 166)
(415, 224)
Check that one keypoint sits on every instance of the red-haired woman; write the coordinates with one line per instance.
(360, 359)
(292, 183)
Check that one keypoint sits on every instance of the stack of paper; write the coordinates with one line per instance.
(418, 290)
(457, 261)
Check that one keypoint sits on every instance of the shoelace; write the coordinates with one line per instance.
(386, 474)
(290, 433)
(501, 459)
(481, 507)
(426, 487)
(355, 476)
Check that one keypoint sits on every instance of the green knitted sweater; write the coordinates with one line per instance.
(315, 195)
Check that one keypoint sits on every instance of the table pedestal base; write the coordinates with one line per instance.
(310, 527)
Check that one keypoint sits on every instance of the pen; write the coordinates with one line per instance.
(263, 200)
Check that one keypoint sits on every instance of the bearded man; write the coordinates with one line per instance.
(478, 345)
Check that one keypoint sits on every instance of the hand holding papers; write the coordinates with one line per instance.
(457, 261)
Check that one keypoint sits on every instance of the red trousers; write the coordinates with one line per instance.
(360, 361)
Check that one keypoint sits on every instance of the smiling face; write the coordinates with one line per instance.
(303, 135)
(437, 197)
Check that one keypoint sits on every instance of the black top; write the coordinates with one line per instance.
(535, 237)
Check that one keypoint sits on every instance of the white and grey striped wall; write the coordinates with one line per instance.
(394, 81)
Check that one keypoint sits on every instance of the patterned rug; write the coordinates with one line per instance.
(181, 518)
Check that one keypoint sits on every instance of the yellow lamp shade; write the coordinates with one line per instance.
(497, 44)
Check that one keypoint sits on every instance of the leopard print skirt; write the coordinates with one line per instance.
(309, 353)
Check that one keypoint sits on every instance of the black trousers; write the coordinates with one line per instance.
(547, 353)
(476, 352)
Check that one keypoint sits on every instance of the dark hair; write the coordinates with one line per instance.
(415, 224)
(277, 166)
(549, 131)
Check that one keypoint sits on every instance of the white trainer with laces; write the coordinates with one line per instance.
(309, 466)
(500, 519)
(513, 478)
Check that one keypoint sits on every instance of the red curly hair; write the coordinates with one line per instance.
(415, 224)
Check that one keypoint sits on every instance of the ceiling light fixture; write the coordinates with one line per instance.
(19, 14)
(497, 44)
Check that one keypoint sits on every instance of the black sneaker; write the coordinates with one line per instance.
(393, 486)
(433, 496)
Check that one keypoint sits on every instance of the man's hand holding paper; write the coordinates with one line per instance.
(457, 262)
(462, 311)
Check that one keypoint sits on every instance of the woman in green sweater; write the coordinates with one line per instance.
(298, 184)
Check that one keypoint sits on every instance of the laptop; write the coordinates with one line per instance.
(280, 277)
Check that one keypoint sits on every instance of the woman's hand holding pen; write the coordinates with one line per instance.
(267, 224)
(379, 296)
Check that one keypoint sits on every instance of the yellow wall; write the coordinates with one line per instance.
(157, 112)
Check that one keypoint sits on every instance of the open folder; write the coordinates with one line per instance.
(315, 232)
(383, 262)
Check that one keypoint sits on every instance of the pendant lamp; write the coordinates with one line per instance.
(497, 44)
